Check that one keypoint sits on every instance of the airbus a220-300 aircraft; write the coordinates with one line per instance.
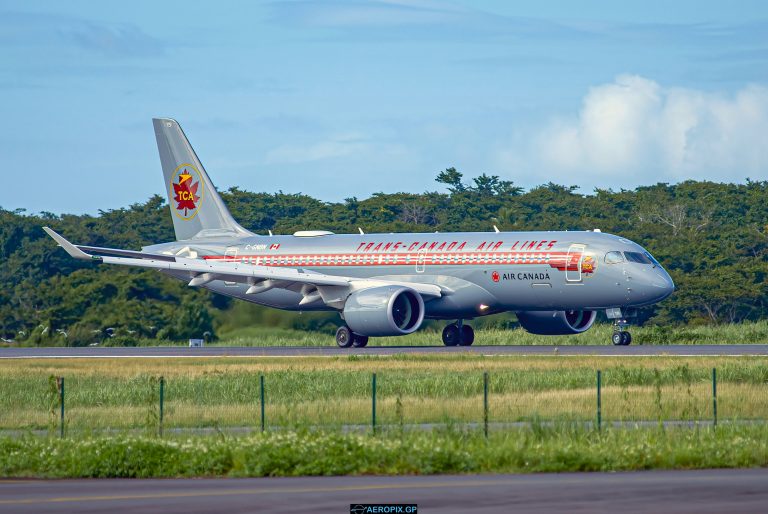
(387, 284)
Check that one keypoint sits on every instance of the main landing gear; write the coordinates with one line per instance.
(346, 338)
(458, 334)
(620, 335)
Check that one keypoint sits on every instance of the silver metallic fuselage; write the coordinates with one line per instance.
(485, 273)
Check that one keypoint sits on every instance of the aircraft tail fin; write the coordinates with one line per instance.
(196, 208)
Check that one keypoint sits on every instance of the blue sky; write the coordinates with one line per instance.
(347, 98)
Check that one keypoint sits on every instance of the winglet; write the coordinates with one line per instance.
(71, 249)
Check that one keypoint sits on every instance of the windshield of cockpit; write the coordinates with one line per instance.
(616, 257)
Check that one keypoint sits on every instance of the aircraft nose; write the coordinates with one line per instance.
(662, 283)
(651, 285)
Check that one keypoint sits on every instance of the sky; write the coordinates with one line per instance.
(337, 99)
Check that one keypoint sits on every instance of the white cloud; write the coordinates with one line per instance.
(635, 131)
(339, 146)
(352, 147)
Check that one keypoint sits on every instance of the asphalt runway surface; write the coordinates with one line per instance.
(333, 351)
(704, 491)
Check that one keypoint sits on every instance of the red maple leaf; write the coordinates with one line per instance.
(186, 193)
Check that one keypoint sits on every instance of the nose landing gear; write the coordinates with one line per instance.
(620, 335)
(619, 316)
(458, 334)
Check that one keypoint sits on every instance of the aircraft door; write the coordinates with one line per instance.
(421, 260)
(231, 256)
(573, 269)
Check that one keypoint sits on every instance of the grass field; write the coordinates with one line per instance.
(600, 334)
(224, 392)
(539, 449)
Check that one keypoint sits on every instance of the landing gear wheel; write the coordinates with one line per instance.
(344, 337)
(621, 338)
(451, 335)
(467, 335)
(359, 341)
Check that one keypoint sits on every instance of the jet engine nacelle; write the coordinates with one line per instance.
(384, 311)
(556, 323)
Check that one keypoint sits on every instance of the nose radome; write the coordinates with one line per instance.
(670, 284)
(663, 282)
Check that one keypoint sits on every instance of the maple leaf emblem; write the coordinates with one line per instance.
(588, 265)
(186, 193)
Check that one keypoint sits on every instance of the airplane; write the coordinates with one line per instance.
(388, 284)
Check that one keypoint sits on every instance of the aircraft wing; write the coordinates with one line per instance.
(259, 278)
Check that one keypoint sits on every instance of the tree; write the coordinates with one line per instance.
(452, 178)
(492, 185)
(713, 239)
(485, 185)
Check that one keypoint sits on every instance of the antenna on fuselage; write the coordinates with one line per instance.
(270, 232)
(361, 231)
(496, 229)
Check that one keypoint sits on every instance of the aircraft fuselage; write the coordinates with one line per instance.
(486, 272)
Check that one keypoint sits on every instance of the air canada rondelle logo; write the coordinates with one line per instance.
(187, 191)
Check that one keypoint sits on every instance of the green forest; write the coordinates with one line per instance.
(711, 237)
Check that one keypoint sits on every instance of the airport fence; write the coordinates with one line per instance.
(383, 401)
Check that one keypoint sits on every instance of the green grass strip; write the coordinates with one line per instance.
(301, 453)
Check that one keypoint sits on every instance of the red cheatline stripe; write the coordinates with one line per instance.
(554, 259)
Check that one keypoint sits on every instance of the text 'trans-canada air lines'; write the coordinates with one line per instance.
(388, 284)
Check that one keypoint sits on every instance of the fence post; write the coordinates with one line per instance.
(162, 398)
(261, 402)
(61, 405)
(485, 403)
(599, 402)
(373, 403)
(714, 396)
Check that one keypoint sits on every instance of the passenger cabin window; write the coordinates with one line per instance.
(638, 257)
(613, 258)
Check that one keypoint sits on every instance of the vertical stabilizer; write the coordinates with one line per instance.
(196, 208)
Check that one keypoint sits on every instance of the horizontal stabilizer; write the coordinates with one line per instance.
(126, 253)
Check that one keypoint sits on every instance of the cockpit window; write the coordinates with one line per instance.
(613, 258)
(654, 261)
(638, 257)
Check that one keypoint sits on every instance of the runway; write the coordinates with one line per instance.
(333, 351)
(705, 491)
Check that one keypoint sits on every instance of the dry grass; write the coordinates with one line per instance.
(122, 393)
(196, 367)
